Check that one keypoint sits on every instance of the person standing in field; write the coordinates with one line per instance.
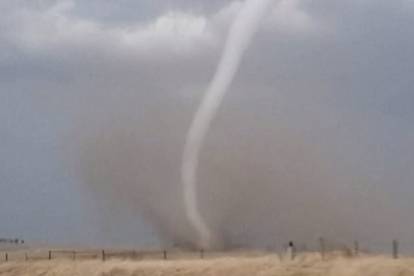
(290, 251)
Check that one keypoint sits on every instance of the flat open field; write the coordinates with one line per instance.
(309, 264)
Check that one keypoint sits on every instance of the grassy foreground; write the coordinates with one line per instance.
(304, 265)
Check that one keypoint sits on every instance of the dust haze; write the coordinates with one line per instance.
(270, 170)
(260, 182)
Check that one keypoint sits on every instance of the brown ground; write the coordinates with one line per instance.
(305, 265)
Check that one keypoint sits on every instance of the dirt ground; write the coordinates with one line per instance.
(309, 264)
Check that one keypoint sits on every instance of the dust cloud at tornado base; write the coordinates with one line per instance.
(260, 182)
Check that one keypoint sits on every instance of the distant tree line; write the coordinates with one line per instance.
(12, 241)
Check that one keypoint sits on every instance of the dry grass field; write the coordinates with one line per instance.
(309, 264)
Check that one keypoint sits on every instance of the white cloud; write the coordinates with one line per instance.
(41, 31)
(56, 28)
(175, 32)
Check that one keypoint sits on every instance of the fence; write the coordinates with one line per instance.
(106, 254)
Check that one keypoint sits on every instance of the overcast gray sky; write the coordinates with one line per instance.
(338, 74)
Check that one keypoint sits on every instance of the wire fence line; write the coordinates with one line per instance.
(104, 255)
(324, 249)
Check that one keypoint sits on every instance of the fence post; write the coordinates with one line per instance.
(103, 255)
(201, 254)
(74, 255)
(7, 257)
(395, 249)
(25, 256)
(165, 254)
(356, 247)
(50, 254)
(322, 245)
